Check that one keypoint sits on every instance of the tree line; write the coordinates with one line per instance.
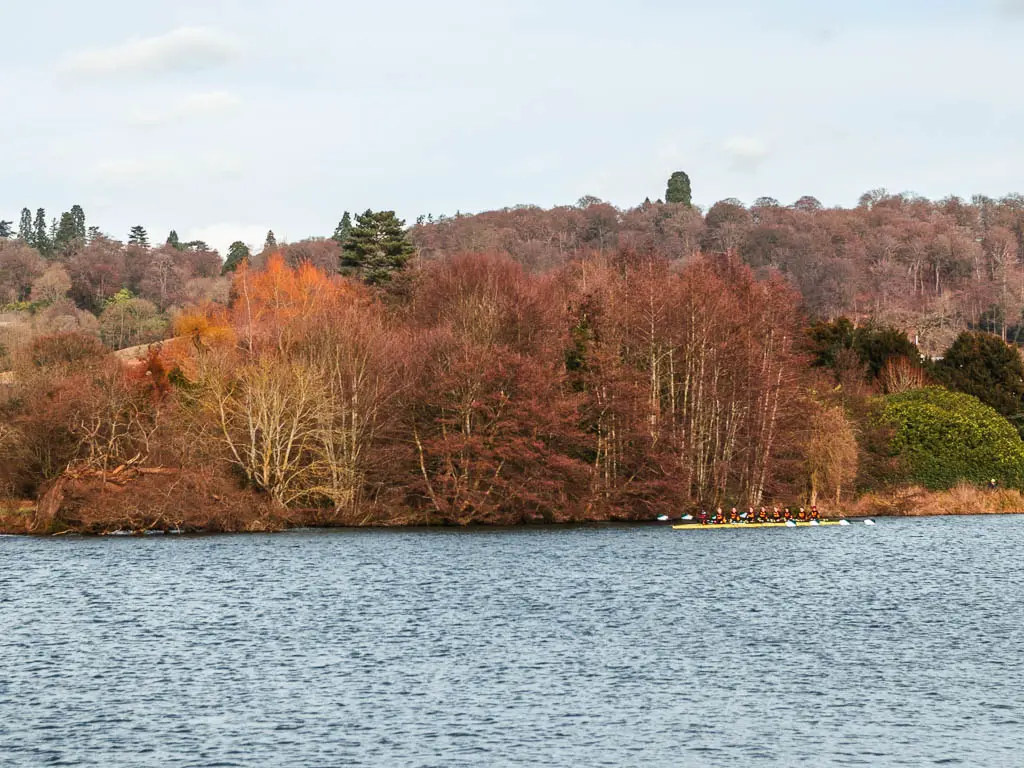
(933, 268)
(475, 391)
(520, 365)
(67, 276)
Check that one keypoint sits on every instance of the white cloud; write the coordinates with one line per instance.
(745, 153)
(222, 234)
(194, 105)
(185, 49)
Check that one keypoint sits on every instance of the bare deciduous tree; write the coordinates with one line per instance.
(831, 453)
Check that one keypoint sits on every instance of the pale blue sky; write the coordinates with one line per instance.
(224, 118)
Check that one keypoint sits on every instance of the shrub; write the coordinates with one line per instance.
(70, 350)
(947, 437)
(985, 366)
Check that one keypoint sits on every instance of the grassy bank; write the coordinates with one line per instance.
(16, 516)
(915, 501)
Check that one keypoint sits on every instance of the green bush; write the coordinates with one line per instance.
(985, 366)
(947, 437)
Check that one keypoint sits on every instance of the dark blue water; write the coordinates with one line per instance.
(901, 644)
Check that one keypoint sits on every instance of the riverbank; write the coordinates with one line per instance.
(914, 501)
(140, 501)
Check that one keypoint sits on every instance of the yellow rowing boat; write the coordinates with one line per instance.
(713, 526)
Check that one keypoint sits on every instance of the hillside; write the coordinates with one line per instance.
(933, 268)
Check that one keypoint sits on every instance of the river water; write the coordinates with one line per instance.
(899, 644)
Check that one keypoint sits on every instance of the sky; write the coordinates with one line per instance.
(225, 118)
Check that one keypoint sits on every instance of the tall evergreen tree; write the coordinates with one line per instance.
(66, 239)
(174, 241)
(25, 226)
(341, 232)
(270, 244)
(93, 233)
(78, 215)
(679, 189)
(376, 247)
(237, 253)
(6, 229)
(41, 233)
(138, 236)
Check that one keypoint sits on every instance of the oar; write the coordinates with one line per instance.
(662, 518)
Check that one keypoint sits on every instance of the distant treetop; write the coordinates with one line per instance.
(679, 189)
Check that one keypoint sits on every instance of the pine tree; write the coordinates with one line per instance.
(6, 229)
(66, 238)
(376, 247)
(25, 226)
(174, 241)
(341, 232)
(237, 253)
(40, 233)
(270, 244)
(138, 236)
(679, 189)
(78, 215)
(93, 233)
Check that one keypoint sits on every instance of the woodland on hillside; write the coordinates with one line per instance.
(525, 365)
(930, 268)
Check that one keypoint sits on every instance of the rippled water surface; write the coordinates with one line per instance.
(901, 644)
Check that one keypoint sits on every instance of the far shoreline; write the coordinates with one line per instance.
(7, 517)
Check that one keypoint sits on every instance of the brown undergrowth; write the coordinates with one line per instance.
(140, 499)
(152, 499)
(915, 501)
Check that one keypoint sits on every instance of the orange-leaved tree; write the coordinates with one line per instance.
(267, 302)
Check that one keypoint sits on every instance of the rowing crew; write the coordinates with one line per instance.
(763, 515)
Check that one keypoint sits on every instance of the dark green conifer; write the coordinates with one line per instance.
(138, 236)
(983, 365)
(25, 226)
(41, 233)
(341, 232)
(270, 244)
(78, 215)
(237, 253)
(376, 247)
(679, 189)
(66, 239)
